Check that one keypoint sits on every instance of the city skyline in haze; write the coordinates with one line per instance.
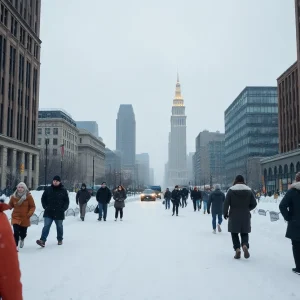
(124, 56)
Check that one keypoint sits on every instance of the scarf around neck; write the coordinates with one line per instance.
(22, 197)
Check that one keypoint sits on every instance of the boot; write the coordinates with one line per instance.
(21, 243)
(219, 228)
(214, 231)
(237, 253)
(246, 252)
(81, 218)
(99, 219)
(41, 243)
(296, 271)
(59, 243)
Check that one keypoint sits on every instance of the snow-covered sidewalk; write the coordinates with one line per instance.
(152, 255)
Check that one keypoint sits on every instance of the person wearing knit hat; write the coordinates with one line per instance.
(10, 275)
(23, 207)
(82, 198)
(290, 210)
(55, 201)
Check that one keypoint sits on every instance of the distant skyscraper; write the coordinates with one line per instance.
(125, 136)
(90, 126)
(143, 169)
(177, 165)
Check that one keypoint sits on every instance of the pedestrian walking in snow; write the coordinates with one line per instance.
(238, 203)
(176, 197)
(184, 195)
(215, 202)
(103, 197)
(23, 207)
(119, 197)
(55, 201)
(196, 196)
(10, 275)
(82, 198)
(167, 197)
(290, 210)
(205, 196)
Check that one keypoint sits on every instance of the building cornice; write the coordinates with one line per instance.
(280, 156)
(19, 145)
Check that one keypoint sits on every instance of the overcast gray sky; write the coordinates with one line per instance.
(98, 56)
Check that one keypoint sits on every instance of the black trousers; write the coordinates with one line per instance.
(184, 202)
(236, 240)
(175, 207)
(19, 232)
(117, 213)
(296, 252)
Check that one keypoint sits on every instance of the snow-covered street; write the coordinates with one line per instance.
(152, 255)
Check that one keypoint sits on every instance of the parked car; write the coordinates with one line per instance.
(148, 195)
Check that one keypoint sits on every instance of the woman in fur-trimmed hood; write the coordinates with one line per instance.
(239, 201)
(23, 207)
(290, 210)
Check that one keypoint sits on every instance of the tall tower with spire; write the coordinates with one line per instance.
(177, 164)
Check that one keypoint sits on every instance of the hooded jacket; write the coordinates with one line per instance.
(290, 210)
(10, 275)
(216, 200)
(238, 203)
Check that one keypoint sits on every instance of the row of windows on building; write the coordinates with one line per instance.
(55, 152)
(19, 32)
(55, 142)
(55, 131)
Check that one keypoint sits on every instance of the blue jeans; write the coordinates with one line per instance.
(198, 204)
(102, 210)
(204, 205)
(214, 220)
(47, 225)
(167, 203)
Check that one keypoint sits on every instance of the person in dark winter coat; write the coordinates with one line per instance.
(119, 197)
(290, 210)
(184, 195)
(55, 201)
(215, 201)
(205, 197)
(167, 197)
(103, 197)
(196, 198)
(176, 197)
(82, 198)
(240, 200)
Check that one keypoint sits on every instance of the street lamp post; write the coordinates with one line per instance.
(62, 151)
(93, 173)
(46, 160)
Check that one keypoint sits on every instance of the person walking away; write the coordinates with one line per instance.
(23, 207)
(10, 274)
(185, 194)
(196, 198)
(167, 197)
(119, 197)
(55, 201)
(290, 210)
(103, 197)
(176, 196)
(238, 203)
(215, 202)
(205, 196)
(82, 198)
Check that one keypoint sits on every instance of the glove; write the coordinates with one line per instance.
(226, 217)
(208, 211)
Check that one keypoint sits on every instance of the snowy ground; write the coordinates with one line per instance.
(152, 255)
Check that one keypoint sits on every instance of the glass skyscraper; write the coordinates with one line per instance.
(251, 129)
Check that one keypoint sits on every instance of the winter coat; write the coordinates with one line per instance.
(22, 213)
(55, 201)
(205, 196)
(290, 210)
(216, 200)
(196, 195)
(10, 275)
(83, 196)
(184, 193)
(119, 197)
(240, 200)
(176, 196)
(168, 195)
(103, 195)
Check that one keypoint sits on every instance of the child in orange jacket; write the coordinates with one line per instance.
(10, 275)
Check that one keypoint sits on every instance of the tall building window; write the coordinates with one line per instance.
(28, 74)
(47, 130)
(14, 26)
(39, 141)
(36, 50)
(54, 142)
(40, 130)
(22, 36)
(2, 51)
(35, 79)
(4, 15)
(29, 43)
(12, 61)
(21, 67)
(55, 130)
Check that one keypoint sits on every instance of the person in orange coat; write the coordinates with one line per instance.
(10, 275)
(23, 208)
